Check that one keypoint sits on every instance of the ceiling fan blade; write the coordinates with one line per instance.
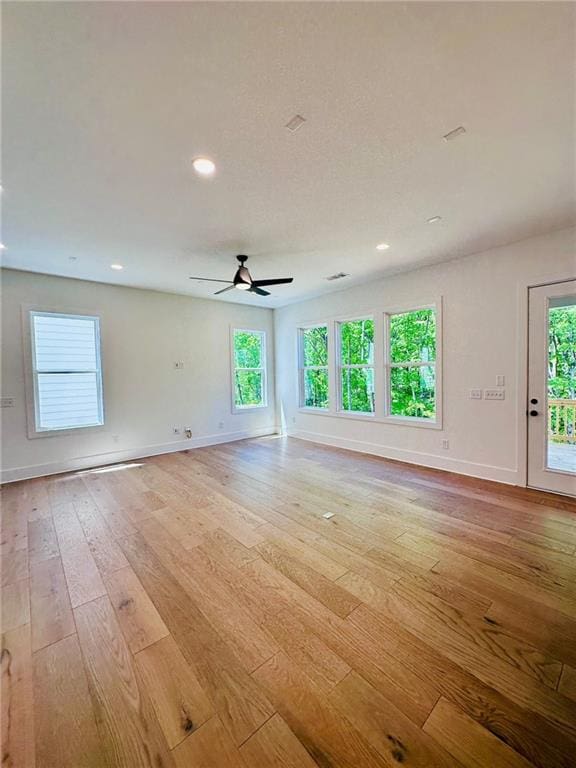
(223, 290)
(278, 281)
(210, 280)
(259, 291)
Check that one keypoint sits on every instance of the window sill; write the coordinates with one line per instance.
(68, 432)
(246, 409)
(395, 420)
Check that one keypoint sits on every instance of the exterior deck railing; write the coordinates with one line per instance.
(562, 421)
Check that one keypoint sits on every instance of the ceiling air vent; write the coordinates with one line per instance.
(296, 122)
(338, 276)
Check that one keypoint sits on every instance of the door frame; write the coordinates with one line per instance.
(523, 296)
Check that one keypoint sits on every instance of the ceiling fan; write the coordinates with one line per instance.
(243, 280)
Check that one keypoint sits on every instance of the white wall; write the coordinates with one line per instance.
(484, 335)
(143, 334)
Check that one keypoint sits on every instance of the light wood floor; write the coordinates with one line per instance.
(198, 610)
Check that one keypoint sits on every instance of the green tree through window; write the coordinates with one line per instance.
(357, 365)
(249, 369)
(412, 364)
(314, 367)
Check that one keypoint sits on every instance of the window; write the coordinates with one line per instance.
(356, 365)
(249, 361)
(411, 364)
(314, 367)
(66, 370)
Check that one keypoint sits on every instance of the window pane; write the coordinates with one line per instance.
(315, 345)
(358, 389)
(357, 342)
(64, 343)
(248, 388)
(413, 336)
(413, 392)
(247, 349)
(67, 400)
(316, 388)
(562, 385)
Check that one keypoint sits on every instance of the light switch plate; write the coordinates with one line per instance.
(7, 402)
(494, 394)
(500, 380)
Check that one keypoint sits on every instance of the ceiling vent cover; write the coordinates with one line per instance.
(338, 276)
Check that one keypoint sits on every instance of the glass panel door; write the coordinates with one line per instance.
(552, 388)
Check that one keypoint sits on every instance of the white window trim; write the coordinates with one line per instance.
(435, 423)
(30, 378)
(381, 413)
(237, 409)
(302, 368)
(339, 366)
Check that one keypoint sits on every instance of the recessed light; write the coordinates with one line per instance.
(434, 219)
(203, 166)
(382, 247)
(116, 266)
(2, 247)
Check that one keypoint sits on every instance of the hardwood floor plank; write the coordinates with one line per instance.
(472, 745)
(14, 567)
(42, 541)
(390, 732)
(128, 728)
(567, 685)
(140, 621)
(82, 575)
(17, 707)
(51, 612)
(15, 605)
(180, 702)
(329, 738)
(331, 595)
(238, 700)
(209, 747)
(65, 725)
(275, 746)
(105, 550)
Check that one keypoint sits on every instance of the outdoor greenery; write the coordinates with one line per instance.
(315, 361)
(248, 369)
(562, 353)
(357, 349)
(413, 387)
(562, 372)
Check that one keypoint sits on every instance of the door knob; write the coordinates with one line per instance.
(533, 413)
(534, 401)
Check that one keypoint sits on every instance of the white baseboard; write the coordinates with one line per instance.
(482, 471)
(101, 459)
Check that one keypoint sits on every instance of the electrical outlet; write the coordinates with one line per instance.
(494, 394)
(446, 444)
(7, 402)
(188, 432)
(475, 394)
(176, 430)
(220, 425)
(179, 365)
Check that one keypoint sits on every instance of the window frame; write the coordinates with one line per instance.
(31, 373)
(238, 409)
(381, 413)
(435, 423)
(339, 366)
(303, 368)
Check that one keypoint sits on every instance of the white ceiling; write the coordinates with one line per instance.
(106, 103)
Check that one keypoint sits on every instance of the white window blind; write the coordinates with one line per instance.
(67, 371)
